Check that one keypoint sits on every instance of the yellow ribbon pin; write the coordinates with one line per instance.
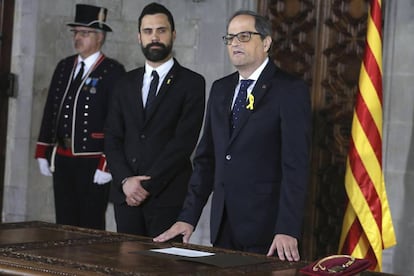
(251, 102)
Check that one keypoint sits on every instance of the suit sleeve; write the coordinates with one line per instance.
(115, 135)
(296, 132)
(202, 180)
(116, 74)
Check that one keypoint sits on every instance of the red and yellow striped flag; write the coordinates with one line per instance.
(367, 227)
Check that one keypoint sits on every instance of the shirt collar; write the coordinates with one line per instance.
(89, 61)
(256, 74)
(162, 70)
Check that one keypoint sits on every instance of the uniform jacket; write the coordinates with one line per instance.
(90, 108)
(159, 143)
(260, 172)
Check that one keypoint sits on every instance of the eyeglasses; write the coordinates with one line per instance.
(242, 37)
(82, 33)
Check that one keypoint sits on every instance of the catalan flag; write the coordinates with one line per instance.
(367, 226)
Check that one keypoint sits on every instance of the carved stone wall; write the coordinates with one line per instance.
(322, 42)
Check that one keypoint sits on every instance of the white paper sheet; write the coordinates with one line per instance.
(183, 252)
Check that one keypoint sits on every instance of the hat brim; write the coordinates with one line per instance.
(95, 25)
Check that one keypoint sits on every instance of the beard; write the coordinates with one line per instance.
(158, 54)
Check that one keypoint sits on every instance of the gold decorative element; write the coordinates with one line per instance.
(335, 269)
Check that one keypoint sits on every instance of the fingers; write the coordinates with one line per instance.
(134, 201)
(143, 177)
(281, 253)
(286, 248)
(178, 228)
(295, 254)
(167, 235)
(141, 193)
(285, 253)
(134, 191)
(186, 237)
(136, 198)
(271, 251)
(129, 201)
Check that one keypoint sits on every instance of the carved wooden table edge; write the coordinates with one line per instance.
(13, 260)
(17, 257)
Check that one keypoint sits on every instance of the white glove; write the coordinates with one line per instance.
(101, 177)
(44, 166)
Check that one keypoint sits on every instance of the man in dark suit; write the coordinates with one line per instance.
(254, 151)
(151, 131)
(73, 122)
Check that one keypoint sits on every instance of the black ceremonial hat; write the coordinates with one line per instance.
(91, 16)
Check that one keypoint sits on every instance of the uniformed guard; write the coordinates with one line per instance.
(70, 144)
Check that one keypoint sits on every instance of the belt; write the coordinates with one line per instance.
(65, 148)
(68, 153)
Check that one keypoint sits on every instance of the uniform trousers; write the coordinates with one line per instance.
(79, 201)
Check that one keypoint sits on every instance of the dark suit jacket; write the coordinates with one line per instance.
(160, 143)
(260, 172)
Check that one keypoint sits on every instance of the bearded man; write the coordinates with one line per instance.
(152, 129)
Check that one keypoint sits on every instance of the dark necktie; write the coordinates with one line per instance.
(78, 79)
(239, 103)
(152, 90)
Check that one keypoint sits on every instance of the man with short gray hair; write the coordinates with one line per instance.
(70, 143)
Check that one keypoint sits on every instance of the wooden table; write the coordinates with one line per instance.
(39, 248)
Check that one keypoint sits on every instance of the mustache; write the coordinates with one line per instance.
(158, 44)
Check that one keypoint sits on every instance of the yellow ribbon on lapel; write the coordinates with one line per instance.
(251, 101)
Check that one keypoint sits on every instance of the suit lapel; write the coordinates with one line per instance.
(227, 100)
(227, 103)
(261, 87)
(135, 97)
